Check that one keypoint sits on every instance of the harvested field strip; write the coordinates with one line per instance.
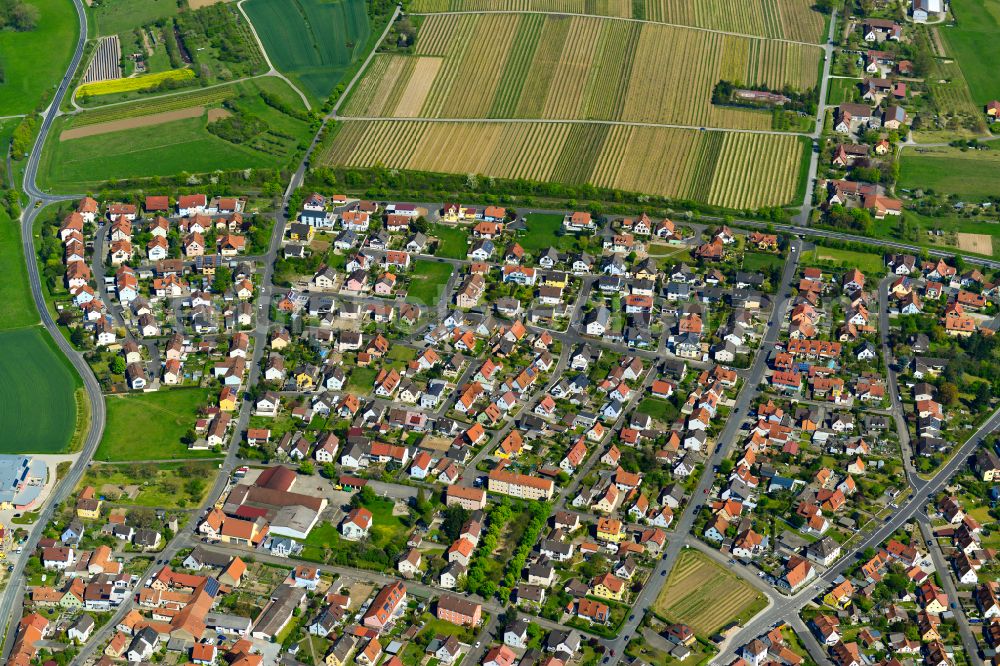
(119, 111)
(131, 123)
(413, 97)
(517, 67)
(404, 72)
(736, 170)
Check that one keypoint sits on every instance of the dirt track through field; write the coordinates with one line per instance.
(133, 123)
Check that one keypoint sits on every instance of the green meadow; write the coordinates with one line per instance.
(37, 405)
(973, 42)
(176, 146)
(34, 61)
(149, 426)
(313, 42)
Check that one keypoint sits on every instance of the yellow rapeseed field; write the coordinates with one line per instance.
(113, 86)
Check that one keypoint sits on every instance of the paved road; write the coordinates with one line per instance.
(791, 606)
(896, 404)
(804, 212)
(357, 76)
(793, 228)
(726, 441)
(948, 584)
(259, 342)
(259, 338)
(10, 603)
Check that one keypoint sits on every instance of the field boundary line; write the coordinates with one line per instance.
(364, 66)
(176, 93)
(148, 120)
(567, 121)
(271, 70)
(616, 18)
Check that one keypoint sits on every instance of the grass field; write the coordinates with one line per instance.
(116, 16)
(663, 411)
(972, 41)
(7, 128)
(542, 232)
(971, 174)
(427, 282)
(559, 67)
(705, 596)
(452, 241)
(734, 170)
(871, 264)
(755, 261)
(173, 147)
(18, 308)
(37, 406)
(361, 381)
(386, 529)
(313, 42)
(843, 90)
(149, 426)
(780, 19)
(160, 150)
(33, 62)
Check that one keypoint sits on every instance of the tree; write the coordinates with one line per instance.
(423, 508)
(141, 517)
(23, 17)
(118, 365)
(454, 518)
(984, 393)
(948, 394)
(364, 496)
(223, 280)
(77, 337)
(306, 467)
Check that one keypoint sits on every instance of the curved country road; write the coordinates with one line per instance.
(13, 593)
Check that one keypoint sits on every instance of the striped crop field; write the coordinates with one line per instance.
(149, 107)
(706, 597)
(734, 170)
(793, 20)
(576, 67)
